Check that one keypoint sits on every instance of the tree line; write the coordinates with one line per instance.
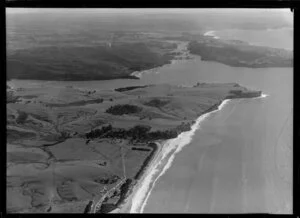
(138, 133)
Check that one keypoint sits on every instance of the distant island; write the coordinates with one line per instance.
(77, 151)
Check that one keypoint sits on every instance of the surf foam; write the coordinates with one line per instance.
(212, 34)
(173, 145)
(262, 96)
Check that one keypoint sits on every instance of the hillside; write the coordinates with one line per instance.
(86, 62)
(240, 54)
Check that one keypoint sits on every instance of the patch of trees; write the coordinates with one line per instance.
(140, 149)
(123, 191)
(146, 161)
(167, 134)
(156, 103)
(138, 133)
(123, 109)
(128, 88)
(98, 132)
(88, 207)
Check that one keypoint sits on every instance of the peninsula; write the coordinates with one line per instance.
(83, 151)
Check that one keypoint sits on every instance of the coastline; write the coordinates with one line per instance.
(181, 49)
(141, 191)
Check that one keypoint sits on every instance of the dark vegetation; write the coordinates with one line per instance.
(138, 133)
(88, 207)
(75, 63)
(146, 161)
(232, 55)
(156, 103)
(129, 88)
(123, 109)
(123, 191)
(140, 149)
(135, 133)
(97, 133)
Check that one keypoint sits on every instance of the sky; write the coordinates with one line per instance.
(231, 15)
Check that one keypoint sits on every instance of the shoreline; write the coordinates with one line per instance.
(142, 189)
(182, 49)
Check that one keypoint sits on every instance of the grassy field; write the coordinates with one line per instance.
(53, 167)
